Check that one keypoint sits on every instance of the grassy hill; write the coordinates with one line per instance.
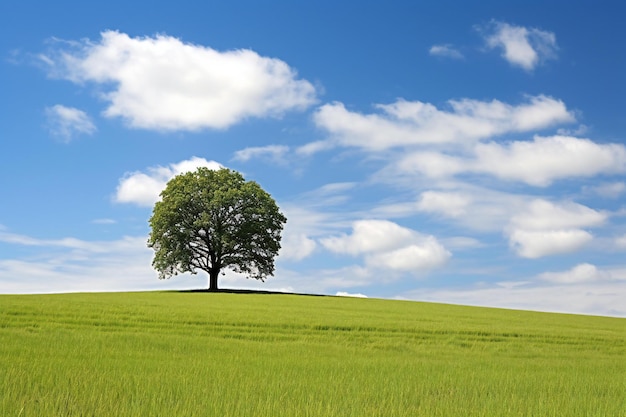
(202, 354)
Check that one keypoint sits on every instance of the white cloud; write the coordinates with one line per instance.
(295, 247)
(534, 244)
(68, 122)
(314, 147)
(370, 236)
(431, 163)
(597, 298)
(347, 294)
(521, 46)
(545, 228)
(329, 280)
(273, 152)
(538, 163)
(164, 84)
(547, 159)
(580, 273)
(144, 189)
(332, 188)
(451, 204)
(446, 50)
(387, 245)
(608, 190)
(542, 215)
(104, 221)
(66, 243)
(331, 194)
(580, 130)
(471, 206)
(534, 227)
(462, 243)
(425, 255)
(405, 123)
(70, 265)
(620, 242)
(305, 220)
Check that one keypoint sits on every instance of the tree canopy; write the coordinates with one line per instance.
(214, 219)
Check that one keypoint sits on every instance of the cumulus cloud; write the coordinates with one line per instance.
(370, 236)
(144, 188)
(68, 122)
(544, 228)
(445, 50)
(387, 245)
(534, 244)
(451, 204)
(539, 162)
(163, 83)
(427, 254)
(405, 123)
(296, 246)
(546, 159)
(542, 214)
(522, 47)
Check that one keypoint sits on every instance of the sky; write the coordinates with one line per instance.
(458, 152)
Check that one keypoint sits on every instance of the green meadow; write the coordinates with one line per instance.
(225, 354)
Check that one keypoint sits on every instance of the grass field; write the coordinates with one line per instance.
(200, 354)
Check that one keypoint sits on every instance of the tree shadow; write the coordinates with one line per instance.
(243, 291)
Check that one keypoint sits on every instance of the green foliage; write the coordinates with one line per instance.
(175, 354)
(209, 220)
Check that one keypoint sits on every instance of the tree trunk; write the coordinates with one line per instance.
(214, 273)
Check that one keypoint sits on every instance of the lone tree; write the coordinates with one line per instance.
(210, 220)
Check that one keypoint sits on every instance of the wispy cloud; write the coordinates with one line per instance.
(67, 243)
(104, 221)
(597, 298)
(446, 51)
(71, 264)
(580, 273)
(608, 190)
(620, 242)
(275, 153)
(522, 47)
(68, 122)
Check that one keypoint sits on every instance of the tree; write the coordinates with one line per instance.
(210, 220)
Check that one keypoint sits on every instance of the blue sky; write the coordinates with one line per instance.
(450, 152)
